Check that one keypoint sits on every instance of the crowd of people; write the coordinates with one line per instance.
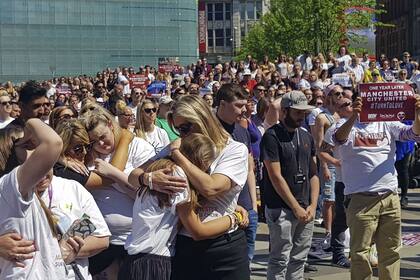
(105, 180)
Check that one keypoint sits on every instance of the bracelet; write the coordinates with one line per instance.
(232, 221)
(150, 181)
(239, 217)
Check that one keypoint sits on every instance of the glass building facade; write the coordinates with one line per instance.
(44, 38)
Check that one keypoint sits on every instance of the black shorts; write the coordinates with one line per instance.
(145, 267)
(105, 258)
(222, 258)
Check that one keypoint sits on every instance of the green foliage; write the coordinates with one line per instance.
(293, 26)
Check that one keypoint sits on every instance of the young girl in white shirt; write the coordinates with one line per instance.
(151, 244)
(22, 211)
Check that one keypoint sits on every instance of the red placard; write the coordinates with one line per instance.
(202, 27)
(168, 68)
(387, 102)
(138, 81)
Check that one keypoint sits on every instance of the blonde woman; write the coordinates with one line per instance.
(145, 126)
(60, 113)
(220, 188)
(115, 201)
(151, 246)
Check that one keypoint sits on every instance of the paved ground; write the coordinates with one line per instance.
(410, 255)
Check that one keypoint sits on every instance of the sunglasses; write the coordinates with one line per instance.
(78, 149)
(184, 128)
(338, 93)
(6, 103)
(149, 110)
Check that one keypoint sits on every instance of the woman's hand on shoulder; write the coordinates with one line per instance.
(16, 249)
(127, 135)
(163, 181)
(75, 166)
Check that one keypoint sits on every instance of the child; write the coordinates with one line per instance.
(155, 217)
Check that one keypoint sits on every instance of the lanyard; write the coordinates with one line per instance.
(50, 195)
(297, 149)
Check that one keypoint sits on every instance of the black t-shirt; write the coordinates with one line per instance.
(279, 145)
(68, 173)
(241, 135)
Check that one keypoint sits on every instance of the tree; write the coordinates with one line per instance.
(293, 26)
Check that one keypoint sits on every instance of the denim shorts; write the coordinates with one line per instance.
(327, 187)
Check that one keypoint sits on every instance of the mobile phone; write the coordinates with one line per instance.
(81, 227)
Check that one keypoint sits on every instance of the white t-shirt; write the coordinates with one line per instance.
(314, 113)
(357, 70)
(283, 69)
(155, 228)
(233, 163)
(123, 79)
(116, 206)
(69, 201)
(5, 123)
(344, 60)
(27, 218)
(369, 157)
(158, 138)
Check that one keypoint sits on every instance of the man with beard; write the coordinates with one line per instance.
(33, 103)
(291, 189)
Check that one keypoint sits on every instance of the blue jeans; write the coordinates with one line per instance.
(290, 241)
(327, 187)
(251, 233)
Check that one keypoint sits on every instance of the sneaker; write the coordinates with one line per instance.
(373, 256)
(326, 243)
(318, 221)
(404, 202)
(310, 268)
(341, 261)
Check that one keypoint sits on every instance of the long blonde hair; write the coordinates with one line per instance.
(71, 131)
(140, 127)
(195, 110)
(200, 150)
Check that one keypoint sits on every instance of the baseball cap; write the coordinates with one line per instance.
(295, 100)
(165, 99)
(247, 72)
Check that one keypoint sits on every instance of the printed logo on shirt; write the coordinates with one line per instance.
(378, 139)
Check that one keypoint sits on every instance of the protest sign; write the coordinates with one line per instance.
(138, 81)
(168, 68)
(387, 102)
(156, 89)
(342, 79)
(63, 89)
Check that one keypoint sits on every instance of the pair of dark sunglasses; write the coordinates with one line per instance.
(78, 149)
(149, 110)
(6, 103)
(184, 128)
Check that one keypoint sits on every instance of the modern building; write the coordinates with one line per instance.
(404, 15)
(224, 24)
(44, 38)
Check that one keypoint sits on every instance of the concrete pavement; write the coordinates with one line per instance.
(410, 255)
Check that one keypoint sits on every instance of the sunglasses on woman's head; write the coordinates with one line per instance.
(184, 128)
(149, 110)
